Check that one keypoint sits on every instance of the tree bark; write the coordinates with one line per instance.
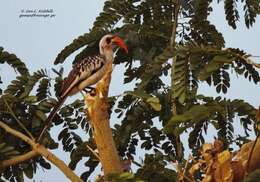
(41, 150)
(97, 108)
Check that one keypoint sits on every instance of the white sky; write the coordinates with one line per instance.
(37, 41)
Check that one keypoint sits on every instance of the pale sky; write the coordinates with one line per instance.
(38, 40)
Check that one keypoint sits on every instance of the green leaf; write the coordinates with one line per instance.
(63, 133)
(6, 149)
(12, 153)
(13, 61)
(155, 103)
(215, 64)
(73, 126)
(28, 171)
(43, 89)
(182, 98)
(194, 114)
(2, 145)
(32, 80)
(31, 99)
(45, 164)
(154, 68)
(126, 176)
(231, 12)
(41, 115)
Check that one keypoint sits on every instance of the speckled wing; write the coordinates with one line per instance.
(82, 70)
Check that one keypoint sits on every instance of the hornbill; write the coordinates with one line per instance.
(85, 73)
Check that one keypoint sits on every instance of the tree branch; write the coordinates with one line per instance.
(173, 45)
(97, 108)
(18, 121)
(179, 150)
(244, 58)
(44, 152)
(18, 159)
(93, 152)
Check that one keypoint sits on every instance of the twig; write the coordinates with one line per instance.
(255, 56)
(44, 152)
(245, 58)
(93, 152)
(172, 46)
(18, 159)
(185, 168)
(175, 24)
(181, 172)
(136, 163)
(18, 121)
(186, 164)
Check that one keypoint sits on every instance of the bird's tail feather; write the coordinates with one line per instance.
(51, 116)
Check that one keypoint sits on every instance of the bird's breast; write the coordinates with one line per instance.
(94, 77)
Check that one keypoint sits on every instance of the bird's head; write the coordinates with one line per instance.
(108, 41)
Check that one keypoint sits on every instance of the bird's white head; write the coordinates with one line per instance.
(106, 44)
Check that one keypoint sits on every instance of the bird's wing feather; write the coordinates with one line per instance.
(81, 70)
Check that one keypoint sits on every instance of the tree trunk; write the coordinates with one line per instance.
(97, 108)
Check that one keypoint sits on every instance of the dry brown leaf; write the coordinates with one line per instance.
(224, 166)
(244, 152)
(224, 157)
(207, 178)
(194, 168)
(218, 144)
(206, 152)
(223, 172)
(207, 147)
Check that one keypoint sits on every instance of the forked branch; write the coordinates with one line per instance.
(41, 150)
(18, 159)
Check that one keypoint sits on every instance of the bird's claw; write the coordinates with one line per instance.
(92, 92)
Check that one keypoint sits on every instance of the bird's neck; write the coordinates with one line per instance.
(108, 54)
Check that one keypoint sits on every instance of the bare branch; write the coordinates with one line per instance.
(18, 159)
(44, 152)
(93, 152)
(18, 121)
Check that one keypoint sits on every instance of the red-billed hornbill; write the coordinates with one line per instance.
(86, 72)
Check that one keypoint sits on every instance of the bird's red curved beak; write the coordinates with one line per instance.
(117, 40)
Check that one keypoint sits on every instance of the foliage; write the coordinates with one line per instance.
(145, 121)
(24, 105)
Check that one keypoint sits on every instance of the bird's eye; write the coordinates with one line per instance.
(108, 40)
